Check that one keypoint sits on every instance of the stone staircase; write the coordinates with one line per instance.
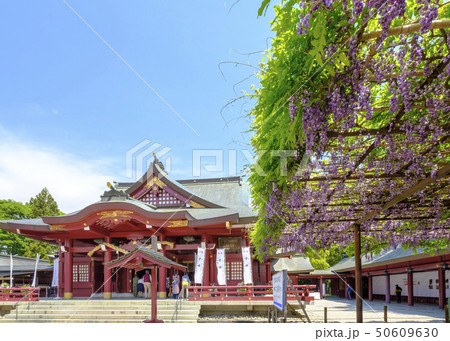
(102, 311)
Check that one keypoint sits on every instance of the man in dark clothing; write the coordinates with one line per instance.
(349, 292)
(135, 285)
(398, 292)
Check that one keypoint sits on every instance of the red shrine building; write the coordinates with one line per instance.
(184, 215)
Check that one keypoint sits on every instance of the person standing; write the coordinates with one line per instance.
(140, 286)
(168, 286)
(185, 281)
(398, 292)
(349, 292)
(135, 285)
(175, 286)
(147, 284)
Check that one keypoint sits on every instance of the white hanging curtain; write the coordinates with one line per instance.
(199, 265)
(35, 270)
(247, 263)
(55, 279)
(220, 264)
(11, 279)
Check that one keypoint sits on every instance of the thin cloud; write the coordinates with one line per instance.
(26, 168)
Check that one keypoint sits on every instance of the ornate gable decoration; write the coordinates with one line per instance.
(161, 198)
(156, 189)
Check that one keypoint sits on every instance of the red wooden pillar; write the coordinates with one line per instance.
(321, 287)
(107, 274)
(370, 288)
(92, 275)
(212, 268)
(162, 274)
(206, 267)
(441, 279)
(388, 287)
(129, 288)
(410, 287)
(61, 273)
(68, 270)
(268, 274)
(206, 270)
(154, 297)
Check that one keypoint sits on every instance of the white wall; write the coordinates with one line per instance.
(420, 281)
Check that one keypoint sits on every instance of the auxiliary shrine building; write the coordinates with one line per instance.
(184, 215)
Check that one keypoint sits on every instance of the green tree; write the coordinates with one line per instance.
(11, 242)
(43, 205)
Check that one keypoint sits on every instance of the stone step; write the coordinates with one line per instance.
(91, 321)
(100, 306)
(105, 303)
(102, 311)
(98, 310)
(110, 312)
(102, 316)
(184, 304)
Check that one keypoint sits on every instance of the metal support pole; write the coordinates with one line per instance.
(325, 315)
(358, 274)
(447, 318)
(385, 313)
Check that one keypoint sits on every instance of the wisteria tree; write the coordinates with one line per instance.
(357, 94)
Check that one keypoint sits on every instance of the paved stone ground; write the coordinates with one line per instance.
(341, 310)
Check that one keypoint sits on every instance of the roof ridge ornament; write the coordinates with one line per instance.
(157, 162)
(113, 193)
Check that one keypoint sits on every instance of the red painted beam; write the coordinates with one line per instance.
(184, 247)
(82, 249)
(97, 230)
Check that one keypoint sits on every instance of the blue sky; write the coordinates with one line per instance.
(70, 109)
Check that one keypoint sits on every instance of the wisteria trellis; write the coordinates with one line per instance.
(374, 123)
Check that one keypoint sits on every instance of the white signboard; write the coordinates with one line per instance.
(199, 265)
(55, 279)
(247, 263)
(279, 290)
(220, 264)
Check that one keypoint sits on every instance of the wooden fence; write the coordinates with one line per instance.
(245, 293)
(17, 294)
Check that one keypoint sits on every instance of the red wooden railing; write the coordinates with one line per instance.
(245, 293)
(17, 294)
